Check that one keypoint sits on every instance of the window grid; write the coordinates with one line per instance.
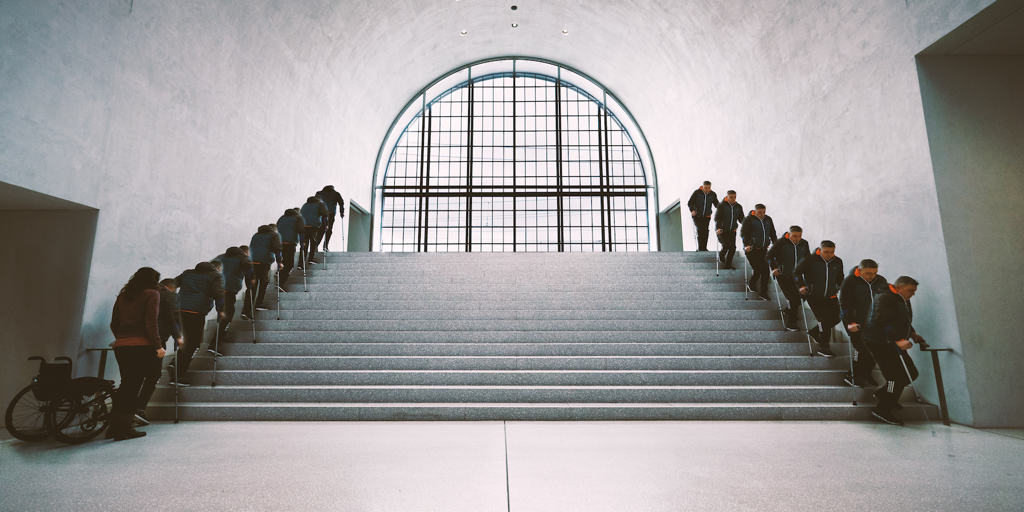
(514, 162)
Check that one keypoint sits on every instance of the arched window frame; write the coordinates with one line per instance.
(463, 74)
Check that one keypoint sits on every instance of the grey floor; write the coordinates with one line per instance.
(451, 466)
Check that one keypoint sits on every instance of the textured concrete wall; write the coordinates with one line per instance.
(670, 228)
(358, 231)
(189, 123)
(45, 261)
(975, 113)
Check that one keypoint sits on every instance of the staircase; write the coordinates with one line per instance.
(525, 336)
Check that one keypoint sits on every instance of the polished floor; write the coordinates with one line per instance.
(557, 466)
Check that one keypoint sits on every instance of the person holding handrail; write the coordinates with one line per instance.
(133, 322)
(889, 335)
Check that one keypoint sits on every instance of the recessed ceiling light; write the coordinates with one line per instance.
(565, 31)
(514, 25)
(514, 7)
(463, 33)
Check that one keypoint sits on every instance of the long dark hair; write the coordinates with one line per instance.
(145, 278)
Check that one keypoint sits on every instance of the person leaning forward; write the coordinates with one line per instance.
(856, 297)
(728, 217)
(889, 335)
(819, 277)
(783, 257)
(199, 290)
(757, 233)
(700, 204)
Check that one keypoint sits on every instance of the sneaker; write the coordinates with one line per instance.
(792, 328)
(885, 417)
(852, 382)
(214, 352)
(311, 261)
(763, 297)
(245, 316)
(140, 419)
(750, 289)
(260, 307)
(825, 352)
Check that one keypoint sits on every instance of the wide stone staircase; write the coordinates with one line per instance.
(524, 336)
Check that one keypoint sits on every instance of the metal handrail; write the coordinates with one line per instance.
(938, 381)
(103, 360)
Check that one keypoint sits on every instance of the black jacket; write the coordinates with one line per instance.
(785, 255)
(758, 233)
(265, 246)
(200, 289)
(313, 211)
(701, 203)
(891, 319)
(290, 226)
(856, 297)
(728, 216)
(332, 199)
(169, 320)
(822, 278)
(237, 267)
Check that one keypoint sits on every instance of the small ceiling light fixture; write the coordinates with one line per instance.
(514, 7)
(565, 31)
(514, 25)
(464, 32)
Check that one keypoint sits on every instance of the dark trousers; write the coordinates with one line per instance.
(728, 240)
(792, 294)
(826, 311)
(863, 361)
(330, 229)
(701, 223)
(134, 363)
(889, 361)
(288, 253)
(261, 271)
(149, 384)
(192, 331)
(759, 264)
(229, 312)
(310, 243)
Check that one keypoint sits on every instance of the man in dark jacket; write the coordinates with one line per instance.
(169, 325)
(758, 232)
(200, 290)
(889, 335)
(856, 297)
(819, 277)
(727, 218)
(700, 204)
(264, 250)
(313, 213)
(291, 227)
(237, 268)
(332, 199)
(783, 258)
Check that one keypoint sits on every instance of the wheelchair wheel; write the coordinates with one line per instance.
(81, 410)
(26, 416)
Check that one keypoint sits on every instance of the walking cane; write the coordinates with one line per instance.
(302, 259)
(718, 255)
(916, 394)
(252, 305)
(175, 383)
(853, 378)
(280, 290)
(778, 299)
(216, 342)
(746, 283)
(807, 330)
(696, 244)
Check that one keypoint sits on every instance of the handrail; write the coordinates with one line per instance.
(103, 360)
(938, 381)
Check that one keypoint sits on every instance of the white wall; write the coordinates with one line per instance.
(190, 123)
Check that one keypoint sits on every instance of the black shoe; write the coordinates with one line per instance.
(885, 417)
(792, 328)
(814, 333)
(728, 268)
(213, 352)
(852, 382)
(260, 307)
(140, 419)
(129, 433)
(763, 297)
(245, 316)
(181, 383)
(311, 261)
(825, 352)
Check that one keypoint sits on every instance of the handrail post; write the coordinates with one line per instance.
(938, 381)
(103, 360)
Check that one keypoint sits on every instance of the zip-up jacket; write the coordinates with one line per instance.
(785, 255)
(822, 278)
(313, 211)
(728, 216)
(701, 203)
(169, 320)
(857, 296)
(200, 289)
(332, 199)
(290, 226)
(891, 319)
(758, 233)
(237, 267)
(265, 246)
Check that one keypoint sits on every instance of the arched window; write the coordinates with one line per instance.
(514, 160)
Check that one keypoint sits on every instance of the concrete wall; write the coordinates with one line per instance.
(190, 123)
(974, 108)
(670, 229)
(45, 264)
(358, 229)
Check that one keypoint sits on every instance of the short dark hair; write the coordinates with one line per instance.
(731, 193)
(867, 264)
(244, 248)
(707, 182)
(796, 229)
(168, 282)
(828, 243)
(217, 263)
(760, 206)
(905, 280)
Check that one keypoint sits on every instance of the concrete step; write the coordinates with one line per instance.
(317, 293)
(492, 326)
(803, 411)
(239, 334)
(517, 349)
(695, 291)
(315, 301)
(396, 284)
(524, 315)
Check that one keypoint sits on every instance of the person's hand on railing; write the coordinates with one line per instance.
(905, 344)
(854, 327)
(919, 340)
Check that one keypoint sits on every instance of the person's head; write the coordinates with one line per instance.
(144, 278)
(796, 233)
(245, 249)
(329, 187)
(706, 187)
(730, 196)
(311, 199)
(868, 270)
(272, 226)
(906, 286)
(218, 265)
(827, 249)
(759, 210)
(170, 284)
